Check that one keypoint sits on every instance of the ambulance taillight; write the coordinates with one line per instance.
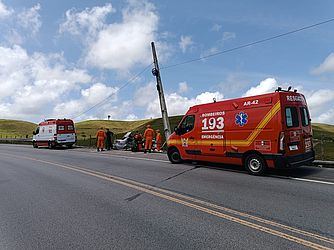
(281, 141)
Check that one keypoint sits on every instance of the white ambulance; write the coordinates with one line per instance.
(54, 132)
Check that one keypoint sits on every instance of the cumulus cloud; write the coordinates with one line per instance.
(176, 103)
(4, 10)
(326, 66)
(119, 45)
(326, 117)
(19, 25)
(320, 102)
(32, 84)
(30, 19)
(89, 20)
(89, 97)
(185, 43)
(266, 86)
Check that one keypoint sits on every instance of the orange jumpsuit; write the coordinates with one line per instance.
(158, 140)
(148, 135)
(101, 136)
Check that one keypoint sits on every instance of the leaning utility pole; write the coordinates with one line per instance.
(163, 107)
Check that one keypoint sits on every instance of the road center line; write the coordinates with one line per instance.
(164, 195)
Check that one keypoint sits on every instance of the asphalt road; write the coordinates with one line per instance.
(81, 199)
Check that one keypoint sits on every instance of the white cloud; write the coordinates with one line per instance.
(176, 103)
(119, 45)
(32, 84)
(183, 87)
(216, 27)
(4, 10)
(30, 19)
(318, 101)
(327, 117)
(326, 66)
(266, 86)
(123, 45)
(89, 97)
(90, 20)
(228, 36)
(185, 43)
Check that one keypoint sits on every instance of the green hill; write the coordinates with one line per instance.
(14, 128)
(323, 141)
(86, 129)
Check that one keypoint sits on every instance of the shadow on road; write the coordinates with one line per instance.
(300, 172)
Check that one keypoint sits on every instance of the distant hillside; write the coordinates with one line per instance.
(89, 128)
(323, 130)
(14, 128)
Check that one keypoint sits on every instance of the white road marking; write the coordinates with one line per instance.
(310, 180)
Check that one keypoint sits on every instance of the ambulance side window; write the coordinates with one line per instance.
(305, 117)
(291, 116)
(187, 124)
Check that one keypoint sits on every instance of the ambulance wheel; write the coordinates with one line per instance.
(255, 164)
(50, 146)
(174, 156)
(34, 144)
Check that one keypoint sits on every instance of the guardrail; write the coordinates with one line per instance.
(16, 140)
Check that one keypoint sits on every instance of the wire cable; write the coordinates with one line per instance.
(109, 96)
(249, 44)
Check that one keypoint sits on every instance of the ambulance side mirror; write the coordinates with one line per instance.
(177, 130)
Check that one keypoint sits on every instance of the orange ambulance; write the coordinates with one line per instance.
(265, 131)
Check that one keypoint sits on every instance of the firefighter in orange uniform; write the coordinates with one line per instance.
(158, 140)
(100, 136)
(148, 135)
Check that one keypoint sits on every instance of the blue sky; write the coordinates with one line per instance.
(59, 58)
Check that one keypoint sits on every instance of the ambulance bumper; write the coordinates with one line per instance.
(282, 161)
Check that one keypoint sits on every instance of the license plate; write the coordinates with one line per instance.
(293, 147)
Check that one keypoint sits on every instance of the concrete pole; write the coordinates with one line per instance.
(163, 107)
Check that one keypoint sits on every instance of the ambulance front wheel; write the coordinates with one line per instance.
(255, 164)
(174, 156)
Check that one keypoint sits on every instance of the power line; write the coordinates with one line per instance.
(249, 44)
(109, 96)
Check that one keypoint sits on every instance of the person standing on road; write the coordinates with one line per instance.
(158, 140)
(148, 135)
(109, 135)
(100, 136)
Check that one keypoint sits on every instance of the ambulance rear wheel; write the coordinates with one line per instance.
(50, 145)
(255, 164)
(34, 144)
(174, 156)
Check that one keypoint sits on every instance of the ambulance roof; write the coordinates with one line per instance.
(238, 102)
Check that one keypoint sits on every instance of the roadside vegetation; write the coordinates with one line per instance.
(323, 134)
